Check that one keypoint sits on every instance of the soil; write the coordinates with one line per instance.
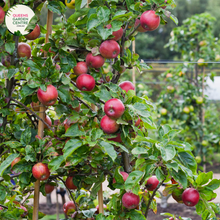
(173, 208)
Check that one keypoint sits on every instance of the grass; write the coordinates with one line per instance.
(53, 217)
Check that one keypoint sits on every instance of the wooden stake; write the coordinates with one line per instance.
(41, 126)
(133, 70)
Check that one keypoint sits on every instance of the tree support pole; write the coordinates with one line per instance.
(41, 126)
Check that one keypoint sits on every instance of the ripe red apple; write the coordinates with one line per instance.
(149, 20)
(127, 85)
(116, 139)
(117, 34)
(152, 183)
(2, 15)
(24, 50)
(40, 171)
(6, 61)
(130, 200)
(97, 207)
(34, 34)
(114, 108)
(109, 125)
(80, 68)
(49, 188)
(109, 49)
(140, 28)
(48, 121)
(35, 106)
(16, 160)
(124, 175)
(94, 61)
(49, 97)
(69, 183)
(190, 197)
(85, 82)
(69, 207)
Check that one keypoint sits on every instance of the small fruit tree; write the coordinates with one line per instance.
(183, 99)
(95, 125)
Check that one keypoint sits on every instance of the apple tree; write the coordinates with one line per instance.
(183, 99)
(96, 128)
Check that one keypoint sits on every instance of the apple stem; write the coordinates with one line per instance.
(152, 196)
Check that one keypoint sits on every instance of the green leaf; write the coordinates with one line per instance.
(11, 73)
(168, 152)
(10, 47)
(12, 144)
(56, 162)
(164, 130)
(26, 136)
(73, 131)
(30, 154)
(213, 185)
(180, 177)
(109, 149)
(89, 213)
(133, 179)
(31, 64)
(71, 146)
(25, 177)
(56, 7)
(172, 17)
(203, 178)
(145, 139)
(136, 215)
(64, 94)
(139, 150)
(2, 193)
(93, 21)
(6, 163)
(103, 13)
(188, 160)
(26, 91)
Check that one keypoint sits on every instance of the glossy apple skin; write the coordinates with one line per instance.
(49, 97)
(16, 160)
(152, 183)
(24, 50)
(2, 15)
(49, 188)
(190, 197)
(69, 183)
(109, 125)
(149, 20)
(140, 28)
(109, 49)
(130, 200)
(40, 171)
(127, 85)
(85, 82)
(97, 207)
(94, 61)
(80, 68)
(114, 108)
(117, 34)
(124, 175)
(116, 139)
(48, 121)
(34, 34)
(69, 207)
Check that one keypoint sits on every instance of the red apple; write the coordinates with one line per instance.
(24, 50)
(2, 15)
(49, 97)
(130, 200)
(140, 28)
(85, 82)
(97, 207)
(149, 20)
(35, 106)
(118, 34)
(124, 175)
(109, 125)
(34, 34)
(16, 160)
(48, 121)
(49, 188)
(69, 183)
(80, 68)
(152, 183)
(6, 61)
(116, 139)
(69, 207)
(114, 108)
(94, 61)
(127, 85)
(190, 197)
(109, 49)
(40, 171)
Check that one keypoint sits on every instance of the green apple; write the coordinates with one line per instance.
(201, 62)
(198, 159)
(205, 143)
(170, 89)
(191, 108)
(199, 100)
(163, 111)
(186, 110)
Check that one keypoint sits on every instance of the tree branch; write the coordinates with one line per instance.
(5, 207)
(127, 38)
